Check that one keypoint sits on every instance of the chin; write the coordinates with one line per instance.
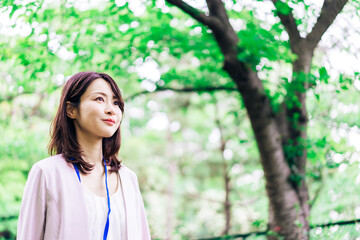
(108, 134)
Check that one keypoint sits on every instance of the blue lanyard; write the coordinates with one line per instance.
(106, 230)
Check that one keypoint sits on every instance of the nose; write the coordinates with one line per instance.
(110, 109)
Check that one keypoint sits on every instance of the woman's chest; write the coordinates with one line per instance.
(96, 183)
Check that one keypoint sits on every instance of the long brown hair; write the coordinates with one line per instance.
(62, 131)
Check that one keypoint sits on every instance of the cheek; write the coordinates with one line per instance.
(120, 115)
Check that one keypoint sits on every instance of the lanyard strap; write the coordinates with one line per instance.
(106, 230)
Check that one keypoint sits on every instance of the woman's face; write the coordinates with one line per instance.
(98, 115)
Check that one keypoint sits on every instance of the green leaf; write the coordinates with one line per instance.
(283, 8)
(324, 76)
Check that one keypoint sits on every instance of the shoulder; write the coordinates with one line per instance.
(51, 165)
(51, 162)
(54, 173)
(124, 170)
(43, 172)
(128, 176)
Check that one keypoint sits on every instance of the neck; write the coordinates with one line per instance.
(92, 150)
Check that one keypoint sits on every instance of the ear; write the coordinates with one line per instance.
(71, 111)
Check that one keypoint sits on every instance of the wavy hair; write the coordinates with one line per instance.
(62, 130)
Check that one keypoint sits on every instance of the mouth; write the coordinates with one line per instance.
(109, 121)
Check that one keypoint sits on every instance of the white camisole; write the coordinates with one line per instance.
(97, 208)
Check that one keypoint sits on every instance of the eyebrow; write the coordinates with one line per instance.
(104, 94)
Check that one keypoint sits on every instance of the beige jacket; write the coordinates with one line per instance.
(53, 204)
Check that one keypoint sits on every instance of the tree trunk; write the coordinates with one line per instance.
(226, 177)
(283, 198)
(284, 173)
(172, 169)
(297, 134)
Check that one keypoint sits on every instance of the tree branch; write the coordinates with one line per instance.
(317, 194)
(329, 11)
(218, 22)
(11, 97)
(225, 35)
(211, 22)
(217, 9)
(198, 196)
(289, 23)
(186, 89)
(260, 233)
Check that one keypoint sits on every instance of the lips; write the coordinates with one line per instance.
(109, 121)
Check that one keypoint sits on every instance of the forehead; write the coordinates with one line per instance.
(99, 85)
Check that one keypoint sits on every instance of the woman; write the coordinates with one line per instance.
(84, 192)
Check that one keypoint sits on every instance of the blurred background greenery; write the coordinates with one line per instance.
(182, 138)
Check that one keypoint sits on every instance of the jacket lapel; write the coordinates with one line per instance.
(129, 202)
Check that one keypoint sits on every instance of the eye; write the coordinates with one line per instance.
(100, 99)
(116, 103)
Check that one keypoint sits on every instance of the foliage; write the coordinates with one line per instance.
(171, 139)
